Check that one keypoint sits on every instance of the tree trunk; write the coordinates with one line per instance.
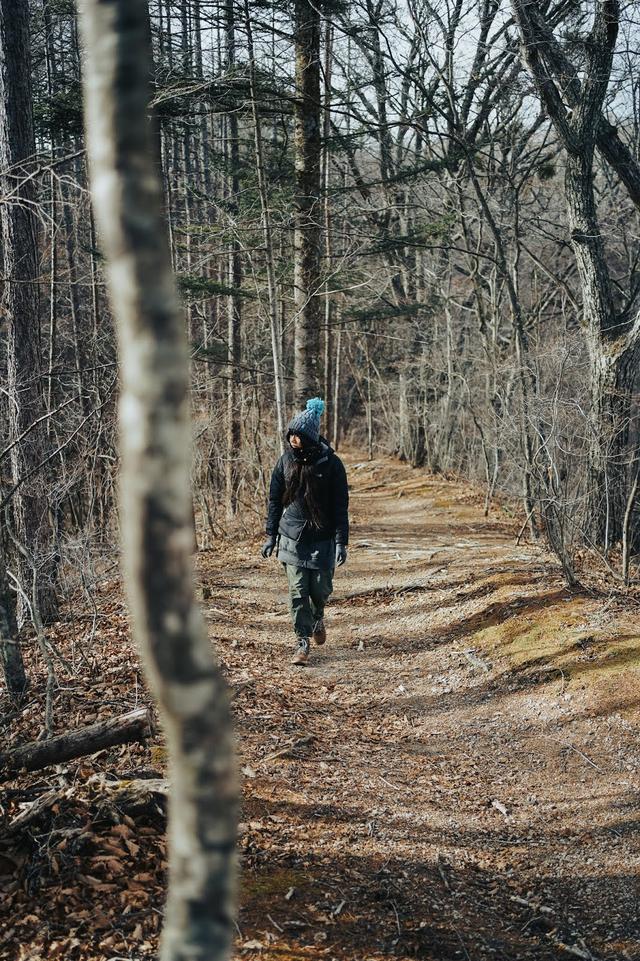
(326, 183)
(613, 350)
(71, 252)
(52, 72)
(156, 500)
(612, 381)
(308, 213)
(337, 378)
(276, 348)
(20, 308)
(10, 653)
(234, 302)
(135, 726)
(575, 108)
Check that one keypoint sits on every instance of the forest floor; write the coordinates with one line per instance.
(455, 775)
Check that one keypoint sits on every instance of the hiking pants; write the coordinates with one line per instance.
(309, 591)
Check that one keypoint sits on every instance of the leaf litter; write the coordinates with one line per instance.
(454, 776)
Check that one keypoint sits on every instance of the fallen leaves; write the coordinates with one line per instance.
(96, 883)
(388, 805)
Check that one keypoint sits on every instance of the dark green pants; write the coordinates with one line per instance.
(309, 591)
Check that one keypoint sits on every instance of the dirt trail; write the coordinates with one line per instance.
(456, 774)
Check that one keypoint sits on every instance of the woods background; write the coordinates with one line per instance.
(426, 212)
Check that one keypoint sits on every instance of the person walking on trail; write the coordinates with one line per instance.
(308, 523)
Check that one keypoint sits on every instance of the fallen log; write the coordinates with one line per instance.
(134, 726)
(31, 813)
(137, 798)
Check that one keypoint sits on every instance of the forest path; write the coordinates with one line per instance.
(456, 774)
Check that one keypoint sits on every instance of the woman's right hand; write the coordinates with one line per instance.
(268, 546)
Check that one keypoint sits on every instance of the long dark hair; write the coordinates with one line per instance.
(303, 484)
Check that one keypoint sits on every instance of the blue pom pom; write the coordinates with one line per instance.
(316, 404)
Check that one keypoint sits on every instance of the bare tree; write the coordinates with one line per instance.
(308, 213)
(10, 654)
(433, 252)
(155, 495)
(234, 301)
(267, 233)
(612, 335)
(328, 371)
(20, 307)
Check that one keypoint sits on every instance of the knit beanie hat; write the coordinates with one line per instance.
(307, 422)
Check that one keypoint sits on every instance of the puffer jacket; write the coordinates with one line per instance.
(298, 542)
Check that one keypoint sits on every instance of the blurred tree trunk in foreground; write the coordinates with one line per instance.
(155, 494)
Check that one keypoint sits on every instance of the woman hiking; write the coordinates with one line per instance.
(308, 523)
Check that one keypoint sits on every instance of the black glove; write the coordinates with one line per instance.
(341, 554)
(267, 548)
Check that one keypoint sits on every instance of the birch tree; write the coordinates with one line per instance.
(155, 495)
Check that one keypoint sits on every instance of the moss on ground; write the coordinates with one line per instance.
(272, 885)
(559, 636)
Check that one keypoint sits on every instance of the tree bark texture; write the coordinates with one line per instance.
(155, 490)
(308, 210)
(274, 327)
(234, 267)
(612, 379)
(613, 342)
(337, 380)
(326, 184)
(10, 653)
(135, 726)
(20, 308)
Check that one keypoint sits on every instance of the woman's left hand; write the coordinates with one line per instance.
(341, 554)
(268, 546)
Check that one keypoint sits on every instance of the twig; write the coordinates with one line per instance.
(551, 669)
(34, 470)
(301, 742)
(584, 756)
(36, 620)
(476, 661)
(585, 954)
(395, 911)
(462, 945)
(34, 424)
(569, 949)
(396, 787)
(32, 812)
(523, 528)
(442, 874)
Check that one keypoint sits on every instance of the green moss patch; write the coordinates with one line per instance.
(272, 885)
(558, 635)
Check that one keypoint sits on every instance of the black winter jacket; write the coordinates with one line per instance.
(299, 542)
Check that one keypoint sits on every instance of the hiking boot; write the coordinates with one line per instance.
(319, 632)
(301, 655)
